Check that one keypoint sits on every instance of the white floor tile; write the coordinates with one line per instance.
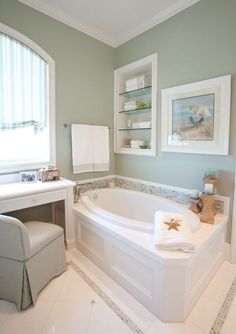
(74, 289)
(223, 278)
(204, 313)
(174, 328)
(7, 309)
(227, 266)
(68, 318)
(103, 321)
(51, 291)
(229, 326)
(30, 321)
(218, 295)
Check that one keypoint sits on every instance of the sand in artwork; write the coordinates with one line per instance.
(193, 118)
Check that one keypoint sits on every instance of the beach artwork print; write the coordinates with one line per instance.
(193, 118)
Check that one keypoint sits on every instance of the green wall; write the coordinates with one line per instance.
(197, 44)
(84, 76)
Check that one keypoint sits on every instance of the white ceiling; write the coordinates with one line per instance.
(113, 22)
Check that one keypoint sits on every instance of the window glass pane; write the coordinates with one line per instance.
(24, 113)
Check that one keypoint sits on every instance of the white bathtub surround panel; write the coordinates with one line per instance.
(157, 278)
(90, 148)
(171, 232)
(101, 148)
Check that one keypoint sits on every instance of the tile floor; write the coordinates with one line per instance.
(68, 305)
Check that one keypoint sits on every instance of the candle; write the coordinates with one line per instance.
(208, 190)
(194, 193)
(210, 173)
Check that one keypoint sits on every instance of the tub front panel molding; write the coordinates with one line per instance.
(168, 283)
(156, 278)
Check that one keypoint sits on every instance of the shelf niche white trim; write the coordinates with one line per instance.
(137, 68)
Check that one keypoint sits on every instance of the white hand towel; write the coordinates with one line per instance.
(82, 148)
(101, 148)
(171, 232)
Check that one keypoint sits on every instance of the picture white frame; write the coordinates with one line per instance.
(203, 128)
(28, 176)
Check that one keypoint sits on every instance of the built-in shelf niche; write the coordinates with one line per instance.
(138, 123)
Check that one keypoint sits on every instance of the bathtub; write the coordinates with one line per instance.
(114, 229)
(132, 209)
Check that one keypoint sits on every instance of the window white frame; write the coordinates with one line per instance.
(51, 94)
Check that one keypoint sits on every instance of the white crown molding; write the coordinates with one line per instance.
(157, 19)
(101, 36)
(59, 16)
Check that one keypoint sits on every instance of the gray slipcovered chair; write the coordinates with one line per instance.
(31, 254)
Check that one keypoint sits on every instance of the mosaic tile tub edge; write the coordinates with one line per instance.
(174, 195)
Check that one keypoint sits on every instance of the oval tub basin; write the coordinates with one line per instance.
(132, 209)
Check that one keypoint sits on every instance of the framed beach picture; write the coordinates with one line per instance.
(196, 116)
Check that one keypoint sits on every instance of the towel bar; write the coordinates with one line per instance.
(67, 125)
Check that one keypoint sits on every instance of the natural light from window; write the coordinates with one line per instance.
(25, 139)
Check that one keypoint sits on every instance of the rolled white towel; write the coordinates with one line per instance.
(171, 232)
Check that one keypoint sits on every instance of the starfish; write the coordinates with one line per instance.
(173, 223)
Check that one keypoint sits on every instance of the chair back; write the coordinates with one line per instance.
(14, 240)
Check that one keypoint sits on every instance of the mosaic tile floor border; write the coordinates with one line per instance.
(115, 308)
(224, 310)
(215, 329)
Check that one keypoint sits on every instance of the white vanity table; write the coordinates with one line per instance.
(16, 196)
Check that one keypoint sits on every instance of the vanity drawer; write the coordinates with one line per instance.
(23, 202)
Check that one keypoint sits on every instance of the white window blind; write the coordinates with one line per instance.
(25, 139)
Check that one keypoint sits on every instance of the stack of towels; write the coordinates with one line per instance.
(141, 125)
(171, 232)
(136, 143)
(130, 105)
(135, 83)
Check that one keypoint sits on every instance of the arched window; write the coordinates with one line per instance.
(27, 122)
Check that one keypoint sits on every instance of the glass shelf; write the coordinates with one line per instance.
(134, 129)
(137, 148)
(136, 110)
(137, 92)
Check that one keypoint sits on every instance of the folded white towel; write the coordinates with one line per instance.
(141, 125)
(130, 105)
(171, 232)
(134, 81)
(139, 85)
